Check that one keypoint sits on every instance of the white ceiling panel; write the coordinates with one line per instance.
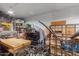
(32, 9)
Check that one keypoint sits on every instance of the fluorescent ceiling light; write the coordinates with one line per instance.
(10, 12)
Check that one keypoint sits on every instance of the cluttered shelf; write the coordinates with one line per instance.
(68, 42)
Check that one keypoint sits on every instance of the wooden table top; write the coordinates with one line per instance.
(14, 43)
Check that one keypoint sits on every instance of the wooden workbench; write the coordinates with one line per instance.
(13, 44)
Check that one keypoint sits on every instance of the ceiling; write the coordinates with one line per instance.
(31, 9)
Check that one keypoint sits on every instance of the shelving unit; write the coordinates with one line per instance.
(18, 25)
(63, 33)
